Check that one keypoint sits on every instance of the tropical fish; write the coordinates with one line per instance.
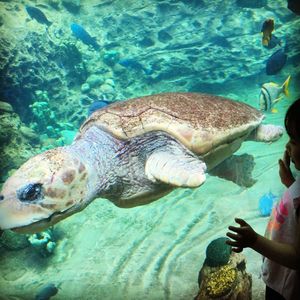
(134, 64)
(274, 41)
(271, 93)
(276, 62)
(266, 29)
(97, 105)
(80, 33)
(38, 15)
(47, 292)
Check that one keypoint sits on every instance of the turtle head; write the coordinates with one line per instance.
(44, 190)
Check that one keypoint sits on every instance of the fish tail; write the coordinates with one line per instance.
(286, 85)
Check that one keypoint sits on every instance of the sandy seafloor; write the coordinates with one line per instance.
(149, 252)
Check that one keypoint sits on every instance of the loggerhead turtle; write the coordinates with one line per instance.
(131, 153)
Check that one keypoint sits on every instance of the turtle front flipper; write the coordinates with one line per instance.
(177, 169)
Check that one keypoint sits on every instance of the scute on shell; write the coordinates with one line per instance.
(200, 121)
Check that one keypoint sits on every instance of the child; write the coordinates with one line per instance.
(281, 244)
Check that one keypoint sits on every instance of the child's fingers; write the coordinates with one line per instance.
(286, 159)
(237, 249)
(235, 229)
(241, 222)
(233, 236)
(232, 243)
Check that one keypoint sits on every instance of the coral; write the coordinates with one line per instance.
(227, 282)
(46, 122)
(217, 252)
(43, 242)
(220, 282)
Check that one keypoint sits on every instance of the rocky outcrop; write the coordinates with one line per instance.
(17, 141)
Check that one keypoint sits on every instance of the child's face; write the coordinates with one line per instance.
(293, 149)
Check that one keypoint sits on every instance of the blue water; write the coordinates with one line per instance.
(51, 80)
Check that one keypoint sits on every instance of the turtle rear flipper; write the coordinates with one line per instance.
(266, 133)
(177, 169)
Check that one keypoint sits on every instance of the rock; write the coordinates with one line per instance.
(13, 241)
(15, 147)
(94, 80)
(227, 282)
(5, 107)
(85, 88)
(107, 89)
(29, 134)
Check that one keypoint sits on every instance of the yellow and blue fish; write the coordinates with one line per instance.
(271, 93)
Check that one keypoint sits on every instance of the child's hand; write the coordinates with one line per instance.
(285, 172)
(243, 237)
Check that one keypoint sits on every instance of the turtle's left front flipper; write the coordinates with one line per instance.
(179, 169)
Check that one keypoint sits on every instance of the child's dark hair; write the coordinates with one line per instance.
(291, 121)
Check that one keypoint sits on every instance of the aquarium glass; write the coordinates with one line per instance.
(64, 61)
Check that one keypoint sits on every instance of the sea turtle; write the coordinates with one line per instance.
(131, 153)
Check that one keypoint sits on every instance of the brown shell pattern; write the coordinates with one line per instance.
(199, 121)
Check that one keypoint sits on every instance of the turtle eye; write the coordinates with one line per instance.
(30, 192)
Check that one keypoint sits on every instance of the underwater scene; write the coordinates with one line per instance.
(103, 197)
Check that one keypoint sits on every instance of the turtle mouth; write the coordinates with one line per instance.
(43, 223)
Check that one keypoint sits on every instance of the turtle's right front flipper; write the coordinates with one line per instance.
(179, 169)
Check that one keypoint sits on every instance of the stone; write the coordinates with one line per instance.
(5, 107)
(226, 282)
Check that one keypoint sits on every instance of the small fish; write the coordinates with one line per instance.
(80, 33)
(38, 15)
(46, 292)
(134, 64)
(266, 29)
(97, 105)
(271, 93)
(276, 62)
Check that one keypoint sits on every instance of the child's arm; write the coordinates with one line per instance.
(284, 254)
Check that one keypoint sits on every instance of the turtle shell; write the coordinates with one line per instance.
(201, 122)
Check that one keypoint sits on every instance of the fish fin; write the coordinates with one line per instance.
(273, 84)
(286, 85)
